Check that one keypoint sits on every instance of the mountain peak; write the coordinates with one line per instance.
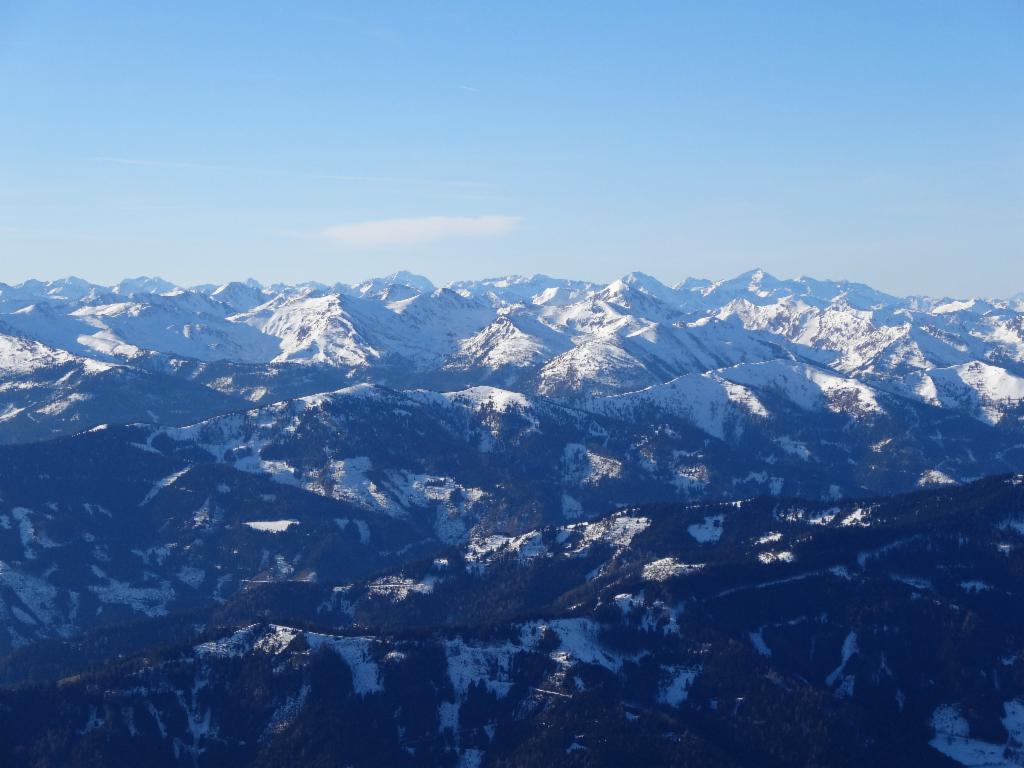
(757, 276)
(377, 287)
(642, 280)
(404, 277)
(143, 284)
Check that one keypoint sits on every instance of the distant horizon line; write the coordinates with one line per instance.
(164, 285)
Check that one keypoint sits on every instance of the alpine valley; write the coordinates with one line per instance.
(509, 522)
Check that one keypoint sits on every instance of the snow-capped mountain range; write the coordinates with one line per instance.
(632, 390)
(721, 356)
(497, 499)
(567, 339)
(705, 387)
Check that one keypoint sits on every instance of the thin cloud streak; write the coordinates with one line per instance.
(161, 163)
(396, 180)
(405, 181)
(417, 231)
(37, 234)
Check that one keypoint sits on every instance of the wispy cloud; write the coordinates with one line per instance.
(160, 163)
(39, 234)
(404, 181)
(351, 178)
(427, 229)
(469, 88)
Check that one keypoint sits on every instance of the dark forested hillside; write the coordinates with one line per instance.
(768, 631)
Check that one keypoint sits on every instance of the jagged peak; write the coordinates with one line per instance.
(143, 284)
(642, 280)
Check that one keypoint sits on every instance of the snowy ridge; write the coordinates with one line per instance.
(708, 401)
(562, 338)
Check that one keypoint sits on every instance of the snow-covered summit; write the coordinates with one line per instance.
(546, 335)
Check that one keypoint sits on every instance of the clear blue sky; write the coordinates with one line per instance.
(205, 141)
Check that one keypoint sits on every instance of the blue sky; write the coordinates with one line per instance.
(203, 141)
